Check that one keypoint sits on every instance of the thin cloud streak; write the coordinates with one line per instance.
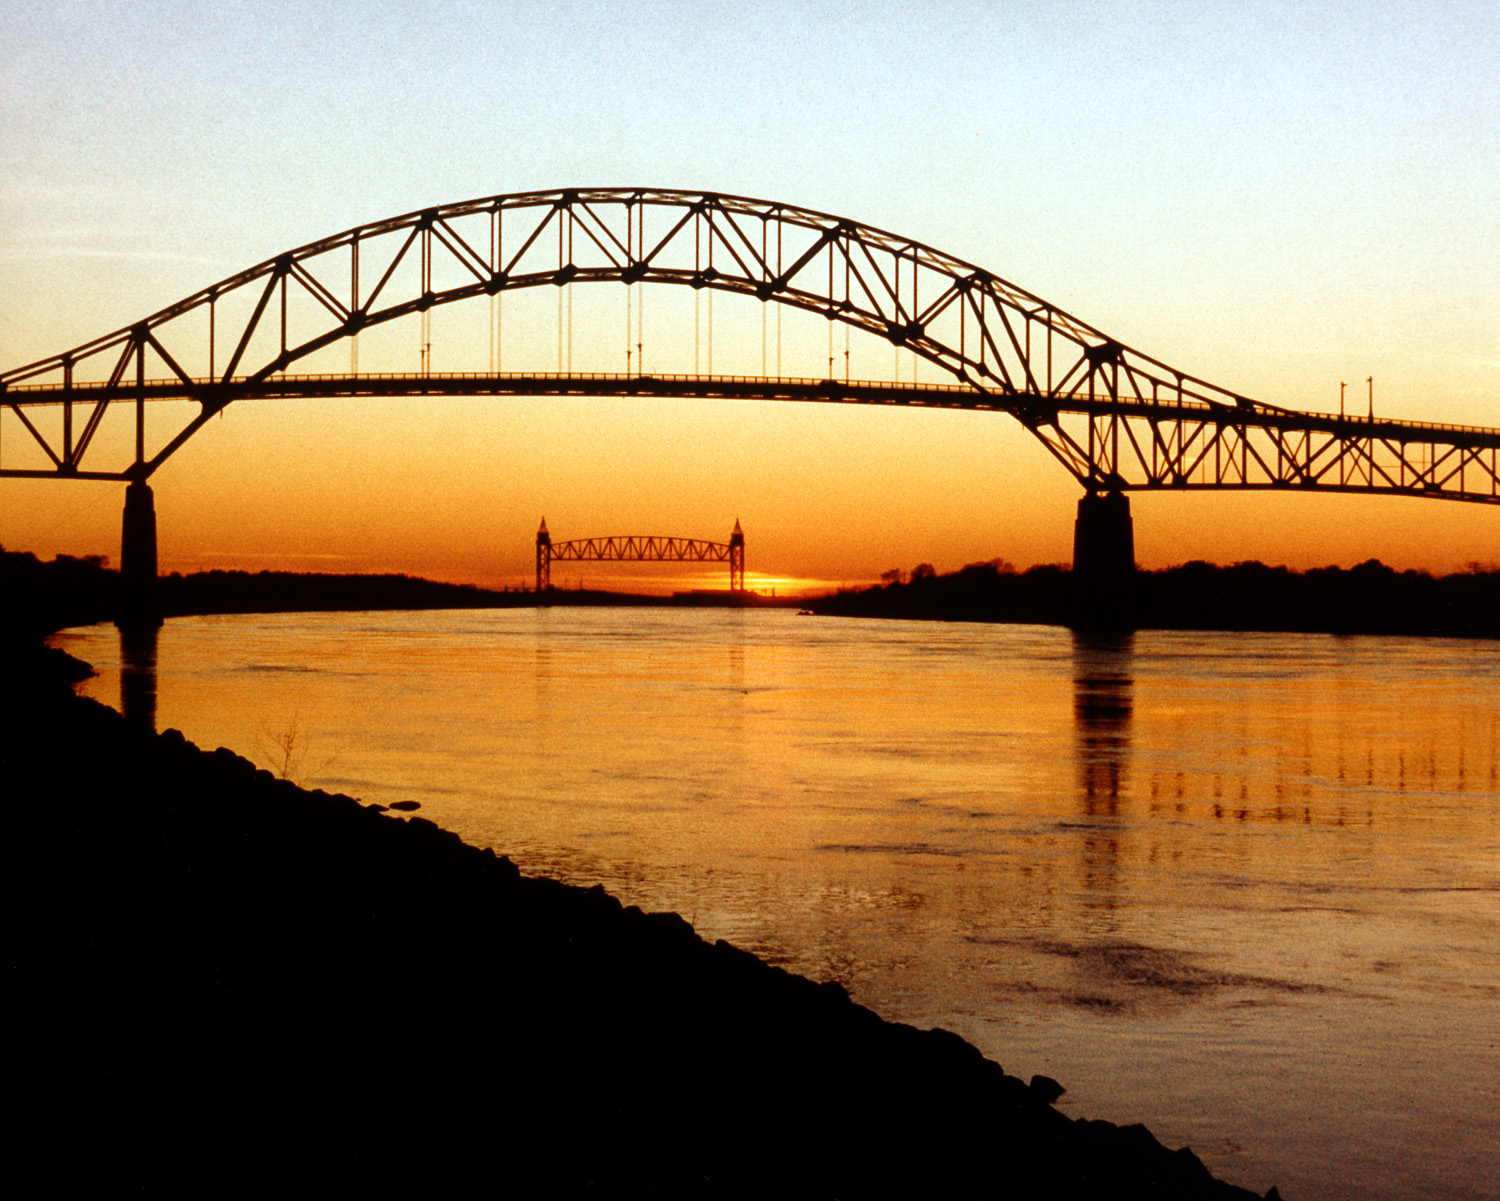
(49, 253)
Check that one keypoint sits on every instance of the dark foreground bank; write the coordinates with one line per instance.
(219, 985)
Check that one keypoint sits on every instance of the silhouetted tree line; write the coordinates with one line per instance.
(37, 597)
(991, 591)
(1368, 599)
(295, 592)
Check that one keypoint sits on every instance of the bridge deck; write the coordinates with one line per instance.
(1030, 407)
(1110, 443)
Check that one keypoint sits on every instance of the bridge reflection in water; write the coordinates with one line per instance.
(138, 647)
(1103, 683)
(1103, 697)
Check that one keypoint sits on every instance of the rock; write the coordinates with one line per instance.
(597, 898)
(406, 806)
(673, 925)
(1046, 1089)
(834, 992)
(953, 1044)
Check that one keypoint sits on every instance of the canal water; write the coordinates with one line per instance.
(1244, 888)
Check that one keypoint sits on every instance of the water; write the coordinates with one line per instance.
(1242, 887)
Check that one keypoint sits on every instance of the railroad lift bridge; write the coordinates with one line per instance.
(640, 549)
(1116, 419)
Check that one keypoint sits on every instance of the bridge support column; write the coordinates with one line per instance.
(138, 601)
(1104, 563)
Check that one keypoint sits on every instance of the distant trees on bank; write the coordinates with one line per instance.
(1370, 598)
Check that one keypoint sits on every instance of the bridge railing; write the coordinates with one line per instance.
(24, 395)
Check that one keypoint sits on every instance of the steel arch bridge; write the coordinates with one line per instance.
(1117, 419)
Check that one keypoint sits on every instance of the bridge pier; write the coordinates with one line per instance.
(138, 601)
(1104, 563)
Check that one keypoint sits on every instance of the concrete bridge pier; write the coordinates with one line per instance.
(138, 600)
(1104, 563)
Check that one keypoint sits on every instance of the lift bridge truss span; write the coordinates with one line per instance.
(635, 548)
(1115, 418)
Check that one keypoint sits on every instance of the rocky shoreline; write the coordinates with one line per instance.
(220, 985)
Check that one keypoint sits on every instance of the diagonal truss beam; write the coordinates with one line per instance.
(636, 548)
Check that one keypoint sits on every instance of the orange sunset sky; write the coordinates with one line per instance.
(1269, 197)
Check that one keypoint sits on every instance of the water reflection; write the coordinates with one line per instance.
(1103, 684)
(735, 645)
(1177, 872)
(138, 675)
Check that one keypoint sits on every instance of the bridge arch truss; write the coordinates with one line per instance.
(1115, 418)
